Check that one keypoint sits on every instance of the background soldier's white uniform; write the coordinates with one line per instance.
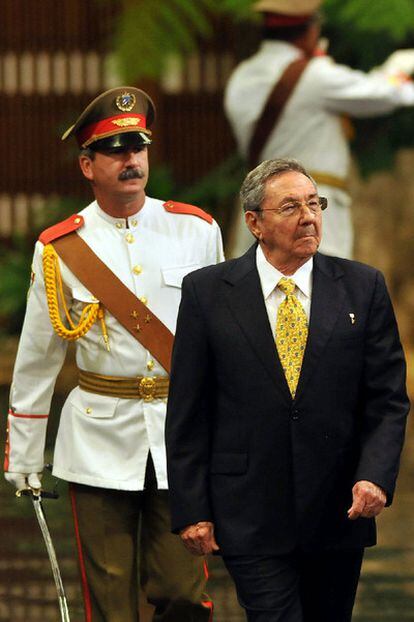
(310, 126)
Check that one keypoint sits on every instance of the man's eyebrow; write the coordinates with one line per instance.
(295, 198)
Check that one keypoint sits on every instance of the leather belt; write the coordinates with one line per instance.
(329, 180)
(145, 388)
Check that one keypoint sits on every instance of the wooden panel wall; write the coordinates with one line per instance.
(52, 63)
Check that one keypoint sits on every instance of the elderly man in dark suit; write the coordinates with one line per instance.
(287, 409)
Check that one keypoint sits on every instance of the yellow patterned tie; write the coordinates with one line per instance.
(291, 333)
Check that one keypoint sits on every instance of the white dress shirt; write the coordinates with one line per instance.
(269, 278)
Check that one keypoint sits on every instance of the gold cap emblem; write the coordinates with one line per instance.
(125, 101)
(126, 122)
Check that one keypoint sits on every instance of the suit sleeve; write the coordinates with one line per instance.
(187, 424)
(385, 400)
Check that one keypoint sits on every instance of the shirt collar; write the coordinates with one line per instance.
(113, 220)
(269, 46)
(270, 276)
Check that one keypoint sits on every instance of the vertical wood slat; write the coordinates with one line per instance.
(31, 120)
(42, 25)
(191, 134)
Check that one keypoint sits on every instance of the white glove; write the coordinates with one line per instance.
(24, 480)
(401, 61)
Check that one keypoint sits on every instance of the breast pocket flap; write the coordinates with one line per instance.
(83, 295)
(93, 405)
(174, 276)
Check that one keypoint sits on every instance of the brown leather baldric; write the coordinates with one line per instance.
(116, 297)
(273, 108)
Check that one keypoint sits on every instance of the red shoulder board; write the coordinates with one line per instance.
(61, 228)
(183, 208)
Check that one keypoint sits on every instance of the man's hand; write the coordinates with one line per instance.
(401, 61)
(368, 500)
(24, 480)
(199, 538)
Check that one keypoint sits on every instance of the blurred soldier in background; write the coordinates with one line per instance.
(109, 278)
(289, 100)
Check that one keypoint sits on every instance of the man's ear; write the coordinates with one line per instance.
(85, 164)
(252, 219)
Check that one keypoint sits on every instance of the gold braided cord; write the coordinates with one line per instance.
(54, 295)
(101, 317)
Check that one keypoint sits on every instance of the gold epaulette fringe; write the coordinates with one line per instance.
(55, 296)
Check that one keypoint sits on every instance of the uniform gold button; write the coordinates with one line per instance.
(77, 221)
(150, 365)
(144, 300)
(137, 269)
(119, 225)
(88, 411)
(129, 238)
(134, 222)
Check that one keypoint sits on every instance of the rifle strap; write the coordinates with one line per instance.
(116, 297)
(273, 108)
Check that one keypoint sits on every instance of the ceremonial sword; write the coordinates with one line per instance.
(36, 496)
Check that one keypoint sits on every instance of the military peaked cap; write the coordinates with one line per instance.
(117, 118)
(288, 7)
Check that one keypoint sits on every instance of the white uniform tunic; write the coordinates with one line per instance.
(310, 127)
(104, 441)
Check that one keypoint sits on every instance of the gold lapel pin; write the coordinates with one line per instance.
(352, 316)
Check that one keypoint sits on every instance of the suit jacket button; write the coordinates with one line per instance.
(295, 415)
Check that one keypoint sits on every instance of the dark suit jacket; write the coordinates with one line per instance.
(273, 473)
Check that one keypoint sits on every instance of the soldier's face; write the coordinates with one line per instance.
(118, 174)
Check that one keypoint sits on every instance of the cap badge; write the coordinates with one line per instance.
(125, 101)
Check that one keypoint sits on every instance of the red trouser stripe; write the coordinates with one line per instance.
(208, 604)
(84, 580)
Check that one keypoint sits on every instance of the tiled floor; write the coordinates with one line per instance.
(386, 591)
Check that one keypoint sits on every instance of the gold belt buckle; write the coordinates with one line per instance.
(146, 388)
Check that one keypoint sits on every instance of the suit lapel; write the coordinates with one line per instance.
(327, 299)
(245, 299)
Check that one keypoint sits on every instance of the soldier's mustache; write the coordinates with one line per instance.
(131, 173)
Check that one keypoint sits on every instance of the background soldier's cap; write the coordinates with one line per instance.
(289, 12)
(117, 118)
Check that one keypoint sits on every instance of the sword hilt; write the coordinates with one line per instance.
(37, 493)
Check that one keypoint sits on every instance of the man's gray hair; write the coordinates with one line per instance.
(252, 191)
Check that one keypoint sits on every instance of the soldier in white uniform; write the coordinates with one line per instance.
(310, 127)
(110, 442)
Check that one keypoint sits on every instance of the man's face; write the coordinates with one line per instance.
(287, 238)
(118, 174)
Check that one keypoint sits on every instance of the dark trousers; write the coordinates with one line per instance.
(298, 587)
(122, 534)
